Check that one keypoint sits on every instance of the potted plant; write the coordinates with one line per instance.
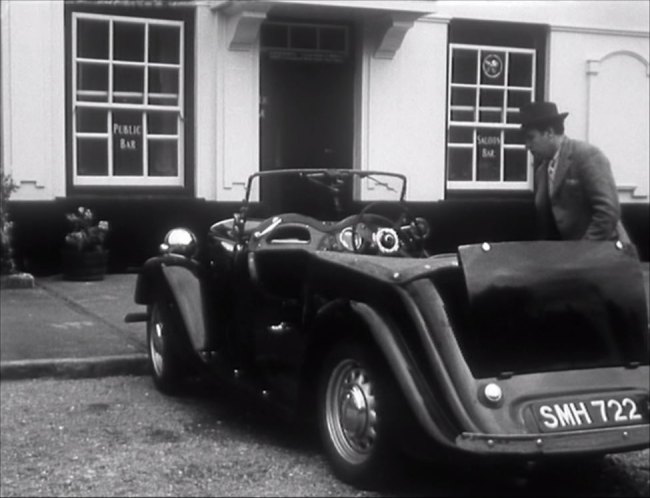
(84, 256)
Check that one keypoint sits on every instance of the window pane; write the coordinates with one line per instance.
(128, 84)
(464, 66)
(91, 120)
(514, 137)
(86, 96)
(520, 70)
(462, 115)
(515, 165)
(491, 102)
(463, 96)
(332, 39)
(516, 100)
(303, 37)
(275, 35)
(463, 102)
(460, 135)
(92, 157)
(163, 156)
(492, 68)
(490, 116)
(127, 143)
(92, 39)
(163, 86)
(459, 164)
(164, 44)
(92, 77)
(162, 123)
(128, 41)
(488, 155)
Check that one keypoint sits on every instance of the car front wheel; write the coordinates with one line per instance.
(164, 365)
(353, 415)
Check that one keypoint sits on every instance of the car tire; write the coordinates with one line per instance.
(353, 415)
(164, 364)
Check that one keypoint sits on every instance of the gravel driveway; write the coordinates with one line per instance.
(118, 436)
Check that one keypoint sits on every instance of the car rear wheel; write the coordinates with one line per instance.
(164, 364)
(353, 415)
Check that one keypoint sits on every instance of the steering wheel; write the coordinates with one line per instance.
(374, 233)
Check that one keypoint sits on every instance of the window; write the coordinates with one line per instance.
(305, 42)
(127, 96)
(487, 86)
(494, 69)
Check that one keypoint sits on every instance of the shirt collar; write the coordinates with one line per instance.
(556, 155)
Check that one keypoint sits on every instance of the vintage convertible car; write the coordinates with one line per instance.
(532, 350)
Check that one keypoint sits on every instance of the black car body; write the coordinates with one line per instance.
(513, 349)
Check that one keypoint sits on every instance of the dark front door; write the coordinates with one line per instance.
(306, 100)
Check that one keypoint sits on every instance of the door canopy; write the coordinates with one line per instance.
(389, 20)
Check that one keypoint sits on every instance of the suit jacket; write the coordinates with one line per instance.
(583, 202)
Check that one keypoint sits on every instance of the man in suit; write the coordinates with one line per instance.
(575, 192)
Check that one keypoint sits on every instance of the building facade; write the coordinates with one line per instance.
(154, 113)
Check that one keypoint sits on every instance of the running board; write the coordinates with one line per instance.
(138, 316)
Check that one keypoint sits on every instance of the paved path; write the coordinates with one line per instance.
(60, 324)
(76, 329)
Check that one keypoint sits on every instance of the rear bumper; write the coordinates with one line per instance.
(609, 440)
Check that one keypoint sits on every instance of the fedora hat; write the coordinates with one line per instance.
(540, 112)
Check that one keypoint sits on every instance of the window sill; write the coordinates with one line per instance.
(525, 194)
(94, 192)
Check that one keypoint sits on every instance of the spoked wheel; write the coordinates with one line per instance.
(165, 366)
(353, 417)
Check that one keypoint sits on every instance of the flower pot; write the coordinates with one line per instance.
(84, 266)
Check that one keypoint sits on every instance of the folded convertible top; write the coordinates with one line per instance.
(579, 289)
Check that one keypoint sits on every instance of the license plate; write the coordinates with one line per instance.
(567, 415)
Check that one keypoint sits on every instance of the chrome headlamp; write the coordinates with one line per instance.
(179, 241)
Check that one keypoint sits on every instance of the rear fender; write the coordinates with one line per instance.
(179, 277)
(382, 333)
(403, 371)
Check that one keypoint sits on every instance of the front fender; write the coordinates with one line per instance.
(180, 279)
(151, 277)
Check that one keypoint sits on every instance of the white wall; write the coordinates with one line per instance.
(403, 110)
(205, 102)
(618, 118)
(629, 15)
(609, 109)
(33, 96)
(237, 128)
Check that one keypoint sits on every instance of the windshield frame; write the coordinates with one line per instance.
(332, 172)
